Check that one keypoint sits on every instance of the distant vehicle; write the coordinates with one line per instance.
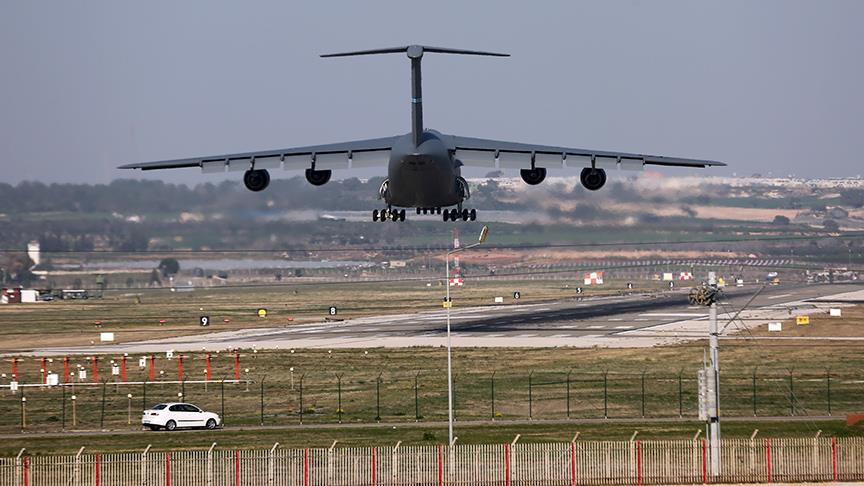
(424, 166)
(76, 294)
(172, 416)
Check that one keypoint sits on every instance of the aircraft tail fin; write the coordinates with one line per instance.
(415, 53)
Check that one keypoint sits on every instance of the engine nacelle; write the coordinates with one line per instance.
(318, 177)
(533, 176)
(592, 178)
(256, 180)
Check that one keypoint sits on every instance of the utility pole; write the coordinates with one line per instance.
(714, 405)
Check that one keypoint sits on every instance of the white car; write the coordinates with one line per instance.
(172, 416)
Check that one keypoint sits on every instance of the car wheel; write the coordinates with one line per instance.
(211, 424)
(171, 425)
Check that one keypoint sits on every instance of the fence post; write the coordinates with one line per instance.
(102, 410)
(834, 459)
(339, 396)
(271, 466)
(416, 397)
(262, 399)
(63, 409)
(754, 392)
(791, 394)
(394, 463)
(378, 398)
(643, 394)
(99, 470)
(208, 473)
(237, 467)
(18, 465)
(143, 465)
(530, 397)
(768, 457)
(605, 394)
(374, 465)
(167, 469)
(828, 383)
(305, 455)
(493, 395)
(507, 464)
(76, 468)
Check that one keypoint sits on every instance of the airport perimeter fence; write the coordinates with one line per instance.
(574, 463)
(358, 396)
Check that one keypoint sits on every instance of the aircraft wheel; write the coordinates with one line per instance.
(438, 210)
(402, 215)
(446, 216)
(473, 215)
(418, 211)
(374, 215)
(383, 216)
(465, 215)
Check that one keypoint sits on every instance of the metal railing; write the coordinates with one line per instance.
(578, 462)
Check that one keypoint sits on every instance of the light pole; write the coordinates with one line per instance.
(447, 304)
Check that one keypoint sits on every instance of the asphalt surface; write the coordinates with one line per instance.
(622, 321)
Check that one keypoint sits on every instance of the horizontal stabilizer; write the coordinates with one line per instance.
(415, 51)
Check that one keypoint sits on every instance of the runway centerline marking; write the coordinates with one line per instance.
(672, 314)
(779, 296)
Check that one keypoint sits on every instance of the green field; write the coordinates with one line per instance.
(365, 386)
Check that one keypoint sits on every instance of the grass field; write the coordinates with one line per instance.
(343, 385)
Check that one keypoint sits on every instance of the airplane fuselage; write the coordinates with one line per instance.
(423, 176)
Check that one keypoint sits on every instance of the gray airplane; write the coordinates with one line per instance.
(423, 166)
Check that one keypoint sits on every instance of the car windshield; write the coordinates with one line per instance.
(159, 406)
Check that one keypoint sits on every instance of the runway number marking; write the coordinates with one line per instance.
(333, 311)
(517, 295)
(204, 320)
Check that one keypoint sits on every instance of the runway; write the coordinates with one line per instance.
(622, 321)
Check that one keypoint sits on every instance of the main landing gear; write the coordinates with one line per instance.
(388, 214)
(457, 214)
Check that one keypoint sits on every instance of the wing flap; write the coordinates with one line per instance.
(334, 155)
(521, 155)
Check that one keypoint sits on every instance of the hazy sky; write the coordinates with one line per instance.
(767, 86)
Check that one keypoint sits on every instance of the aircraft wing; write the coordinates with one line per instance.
(373, 152)
(479, 152)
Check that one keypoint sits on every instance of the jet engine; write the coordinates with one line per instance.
(592, 178)
(256, 180)
(318, 177)
(533, 176)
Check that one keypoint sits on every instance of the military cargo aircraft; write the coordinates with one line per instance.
(424, 166)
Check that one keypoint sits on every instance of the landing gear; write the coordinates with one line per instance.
(388, 214)
(456, 214)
